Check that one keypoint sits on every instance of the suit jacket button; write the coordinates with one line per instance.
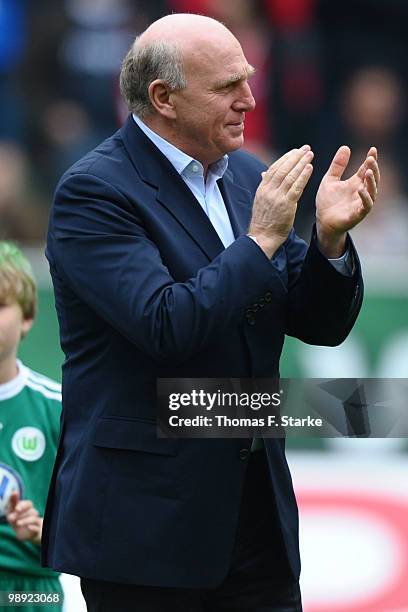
(244, 453)
(268, 297)
(250, 319)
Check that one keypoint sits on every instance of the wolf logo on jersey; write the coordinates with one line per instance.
(10, 481)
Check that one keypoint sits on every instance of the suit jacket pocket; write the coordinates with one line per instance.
(133, 435)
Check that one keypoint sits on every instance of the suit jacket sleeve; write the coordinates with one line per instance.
(103, 252)
(323, 303)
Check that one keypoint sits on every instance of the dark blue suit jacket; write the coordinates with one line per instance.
(144, 289)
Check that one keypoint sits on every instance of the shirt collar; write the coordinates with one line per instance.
(14, 386)
(183, 163)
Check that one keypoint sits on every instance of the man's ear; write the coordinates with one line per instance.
(26, 326)
(161, 99)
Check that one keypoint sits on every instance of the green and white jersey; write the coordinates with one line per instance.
(30, 409)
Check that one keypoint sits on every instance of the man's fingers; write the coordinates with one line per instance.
(290, 169)
(285, 163)
(373, 153)
(339, 163)
(373, 165)
(369, 172)
(291, 178)
(370, 184)
(369, 164)
(298, 186)
(366, 200)
(269, 173)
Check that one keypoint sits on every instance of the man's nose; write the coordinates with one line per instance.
(246, 102)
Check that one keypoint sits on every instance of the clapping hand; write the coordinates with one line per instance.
(342, 204)
(277, 197)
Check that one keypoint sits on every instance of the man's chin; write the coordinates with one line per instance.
(235, 143)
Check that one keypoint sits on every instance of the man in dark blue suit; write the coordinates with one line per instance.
(172, 254)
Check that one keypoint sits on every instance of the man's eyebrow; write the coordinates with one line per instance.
(235, 78)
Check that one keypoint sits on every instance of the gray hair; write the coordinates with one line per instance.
(142, 65)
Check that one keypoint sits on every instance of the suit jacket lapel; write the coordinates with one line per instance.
(172, 192)
(175, 195)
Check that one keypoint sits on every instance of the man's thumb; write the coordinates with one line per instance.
(339, 163)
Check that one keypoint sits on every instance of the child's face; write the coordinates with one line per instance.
(12, 327)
